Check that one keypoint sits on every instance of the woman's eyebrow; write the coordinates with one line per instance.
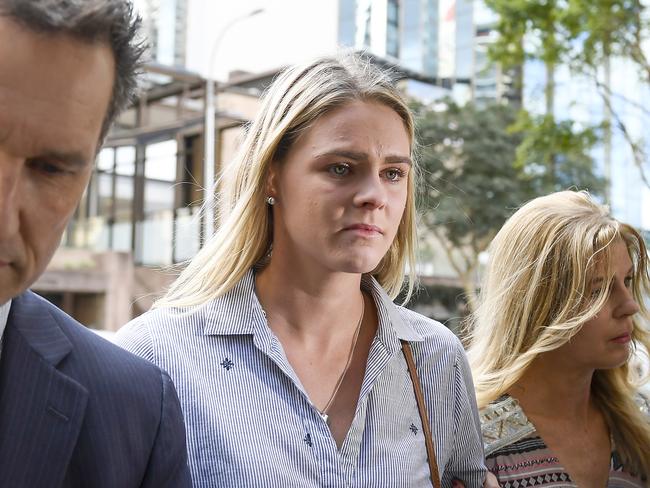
(362, 156)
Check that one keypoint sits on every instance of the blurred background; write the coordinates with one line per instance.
(513, 98)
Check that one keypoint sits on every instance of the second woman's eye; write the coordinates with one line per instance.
(339, 169)
(595, 293)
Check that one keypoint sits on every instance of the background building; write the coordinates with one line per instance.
(165, 26)
(140, 214)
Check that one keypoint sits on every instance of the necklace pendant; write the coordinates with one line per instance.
(325, 417)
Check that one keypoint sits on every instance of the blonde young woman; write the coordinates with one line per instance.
(553, 342)
(281, 335)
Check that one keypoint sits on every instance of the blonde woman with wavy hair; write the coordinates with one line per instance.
(281, 335)
(553, 343)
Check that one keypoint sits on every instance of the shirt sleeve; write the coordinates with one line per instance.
(136, 338)
(167, 466)
(467, 460)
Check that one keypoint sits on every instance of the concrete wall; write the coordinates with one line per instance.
(101, 290)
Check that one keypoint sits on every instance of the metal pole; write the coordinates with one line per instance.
(209, 135)
(208, 169)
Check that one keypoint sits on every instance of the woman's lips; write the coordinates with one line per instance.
(622, 339)
(367, 230)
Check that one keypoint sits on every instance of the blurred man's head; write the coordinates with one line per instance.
(67, 67)
(112, 22)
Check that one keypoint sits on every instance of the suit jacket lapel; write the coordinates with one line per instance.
(41, 409)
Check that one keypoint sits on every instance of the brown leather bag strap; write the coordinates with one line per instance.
(419, 398)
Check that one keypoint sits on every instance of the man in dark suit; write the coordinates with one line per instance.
(75, 410)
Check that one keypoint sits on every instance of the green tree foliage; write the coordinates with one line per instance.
(570, 148)
(541, 29)
(583, 34)
(531, 29)
(475, 175)
(470, 182)
(600, 30)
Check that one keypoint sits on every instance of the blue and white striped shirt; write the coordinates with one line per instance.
(250, 422)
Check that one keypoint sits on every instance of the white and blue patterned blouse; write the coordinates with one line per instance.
(250, 422)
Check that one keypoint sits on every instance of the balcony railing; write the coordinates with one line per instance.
(163, 238)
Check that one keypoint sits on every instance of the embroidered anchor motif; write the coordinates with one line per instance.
(307, 440)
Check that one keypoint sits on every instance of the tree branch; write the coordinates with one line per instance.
(465, 274)
(638, 153)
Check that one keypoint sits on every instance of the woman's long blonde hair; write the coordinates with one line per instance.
(295, 100)
(535, 297)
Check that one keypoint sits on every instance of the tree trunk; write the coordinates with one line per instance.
(549, 95)
(607, 133)
(464, 270)
(469, 287)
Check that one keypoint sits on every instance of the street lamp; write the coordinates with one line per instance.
(209, 130)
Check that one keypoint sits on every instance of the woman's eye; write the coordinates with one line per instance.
(394, 174)
(628, 282)
(339, 169)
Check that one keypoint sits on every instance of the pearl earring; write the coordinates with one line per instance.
(270, 201)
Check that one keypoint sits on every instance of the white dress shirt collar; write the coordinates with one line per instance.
(4, 314)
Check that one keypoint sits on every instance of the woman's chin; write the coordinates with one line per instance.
(359, 265)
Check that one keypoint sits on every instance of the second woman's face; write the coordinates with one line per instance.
(342, 188)
(604, 341)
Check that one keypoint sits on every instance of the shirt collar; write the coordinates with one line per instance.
(240, 312)
(392, 326)
(236, 312)
(4, 315)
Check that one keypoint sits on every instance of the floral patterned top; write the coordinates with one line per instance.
(519, 458)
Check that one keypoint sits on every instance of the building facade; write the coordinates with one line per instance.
(165, 27)
(141, 213)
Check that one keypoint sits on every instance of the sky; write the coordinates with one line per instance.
(278, 35)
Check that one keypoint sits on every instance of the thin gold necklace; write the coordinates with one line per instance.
(323, 412)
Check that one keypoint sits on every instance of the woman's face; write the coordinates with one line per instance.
(342, 188)
(604, 341)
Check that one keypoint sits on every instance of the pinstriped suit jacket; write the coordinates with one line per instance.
(77, 411)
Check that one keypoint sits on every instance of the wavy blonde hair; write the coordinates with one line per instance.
(294, 101)
(535, 297)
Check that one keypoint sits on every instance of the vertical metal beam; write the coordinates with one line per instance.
(67, 302)
(137, 205)
(178, 188)
(138, 202)
(208, 155)
(112, 211)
